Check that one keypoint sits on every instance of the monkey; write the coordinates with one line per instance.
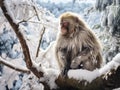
(76, 47)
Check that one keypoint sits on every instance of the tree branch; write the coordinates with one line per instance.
(40, 40)
(13, 66)
(99, 83)
(26, 20)
(35, 10)
(23, 43)
(97, 78)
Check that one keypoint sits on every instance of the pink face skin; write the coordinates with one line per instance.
(64, 27)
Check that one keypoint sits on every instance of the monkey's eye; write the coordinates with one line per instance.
(64, 50)
(64, 24)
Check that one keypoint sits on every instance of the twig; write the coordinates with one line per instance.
(43, 24)
(36, 11)
(13, 66)
(26, 20)
(40, 40)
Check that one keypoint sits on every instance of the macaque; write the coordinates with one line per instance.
(77, 46)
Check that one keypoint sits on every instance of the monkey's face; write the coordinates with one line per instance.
(64, 27)
(67, 26)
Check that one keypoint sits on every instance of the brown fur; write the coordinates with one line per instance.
(78, 46)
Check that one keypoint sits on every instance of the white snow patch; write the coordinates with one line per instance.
(117, 89)
(80, 74)
(112, 64)
(117, 58)
(50, 75)
(38, 66)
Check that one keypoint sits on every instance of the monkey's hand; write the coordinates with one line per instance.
(76, 63)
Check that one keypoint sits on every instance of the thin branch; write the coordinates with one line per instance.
(23, 43)
(13, 66)
(41, 33)
(40, 40)
(43, 24)
(26, 20)
(34, 7)
(38, 22)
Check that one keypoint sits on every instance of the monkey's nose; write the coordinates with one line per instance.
(64, 24)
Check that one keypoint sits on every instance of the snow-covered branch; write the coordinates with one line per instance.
(13, 66)
(89, 80)
(20, 36)
(83, 74)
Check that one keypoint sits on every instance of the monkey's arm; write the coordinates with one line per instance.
(84, 60)
(81, 57)
(61, 57)
(91, 49)
(85, 53)
(89, 57)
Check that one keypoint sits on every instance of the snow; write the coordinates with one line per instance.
(10, 75)
(117, 89)
(112, 64)
(50, 76)
(31, 82)
(48, 64)
(117, 58)
(110, 19)
(103, 19)
(31, 33)
(83, 74)
(46, 55)
(7, 41)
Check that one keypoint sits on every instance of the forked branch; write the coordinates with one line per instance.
(23, 43)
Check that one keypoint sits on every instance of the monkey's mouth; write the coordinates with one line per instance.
(64, 27)
(64, 30)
